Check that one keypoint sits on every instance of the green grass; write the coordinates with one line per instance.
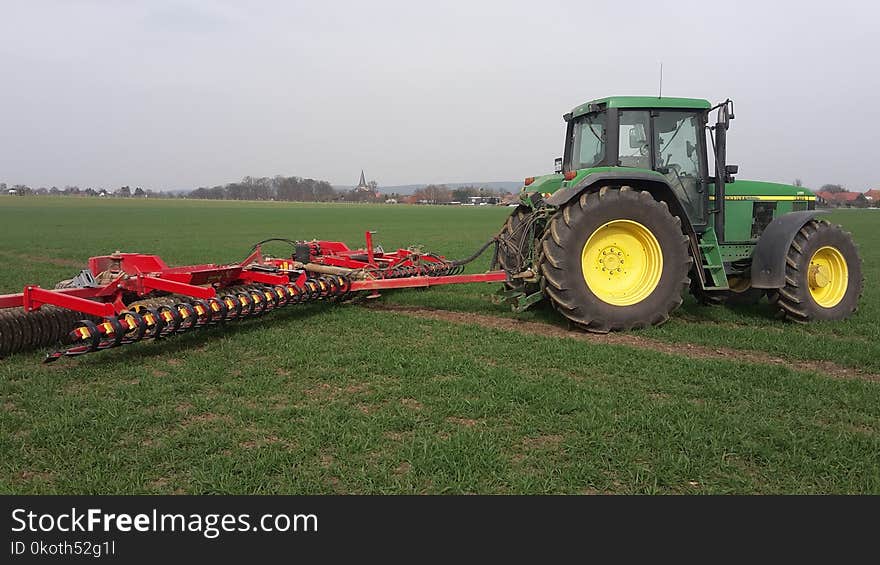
(347, 399)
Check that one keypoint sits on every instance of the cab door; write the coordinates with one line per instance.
(680, 156)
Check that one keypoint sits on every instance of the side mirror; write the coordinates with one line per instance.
(729, 171)
(557, 165)
(637, 138)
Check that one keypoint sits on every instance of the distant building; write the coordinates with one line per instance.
(845, 199)
(484, 200)
(873, 196)
(362, 185)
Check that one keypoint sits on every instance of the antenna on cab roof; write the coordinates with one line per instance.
(660, 94)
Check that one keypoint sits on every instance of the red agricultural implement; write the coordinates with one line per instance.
(124, 298)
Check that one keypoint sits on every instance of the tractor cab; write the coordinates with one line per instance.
(663, 136)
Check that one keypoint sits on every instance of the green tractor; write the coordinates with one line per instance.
(644, 207)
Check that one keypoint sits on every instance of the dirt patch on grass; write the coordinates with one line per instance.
(161, 484)
(208, 417)
(326, 391)
(411, 403)
(39, 476)
(262, 441)
(630, 340)
(368, 409)
(466, 422)
(542, 442)
(203, 418)
(357, 388)
(323, 390)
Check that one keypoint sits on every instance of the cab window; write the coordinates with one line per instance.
(588, 149)
(678, 158)
(633, 141)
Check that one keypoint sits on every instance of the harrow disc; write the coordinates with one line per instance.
(22, 331)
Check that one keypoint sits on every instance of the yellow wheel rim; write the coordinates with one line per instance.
(622, 262)
(827, 277)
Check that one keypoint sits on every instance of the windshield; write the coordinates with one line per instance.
(588, 141)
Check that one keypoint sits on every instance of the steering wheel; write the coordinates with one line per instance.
(643, 149)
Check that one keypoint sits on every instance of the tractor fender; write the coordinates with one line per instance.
(768, 258)
(652, 182)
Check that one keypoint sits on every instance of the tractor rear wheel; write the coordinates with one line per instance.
(615, 259)
(823, 275)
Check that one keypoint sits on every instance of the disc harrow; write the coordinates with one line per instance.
(126, 298)
(164, 317)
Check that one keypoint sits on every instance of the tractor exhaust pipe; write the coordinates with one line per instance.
(722, 171)
(720, 158)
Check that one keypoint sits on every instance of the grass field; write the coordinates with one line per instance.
(434, 391)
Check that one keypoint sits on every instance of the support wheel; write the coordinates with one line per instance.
(615, 259)
(823, 275)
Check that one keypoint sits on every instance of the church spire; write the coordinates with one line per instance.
(363, 182)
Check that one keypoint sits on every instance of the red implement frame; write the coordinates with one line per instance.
(130, 276)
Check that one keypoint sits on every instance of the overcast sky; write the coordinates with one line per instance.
(186, 93)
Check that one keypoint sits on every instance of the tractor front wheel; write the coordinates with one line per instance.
(823, 275)
(615, 259)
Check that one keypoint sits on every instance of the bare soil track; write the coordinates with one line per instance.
(630, 340)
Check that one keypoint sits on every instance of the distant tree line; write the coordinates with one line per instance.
(292, 189)
(280, 188)
(69, 190)
(442, 194)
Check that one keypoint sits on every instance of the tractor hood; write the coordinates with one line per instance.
(545, 185)
(758, 190)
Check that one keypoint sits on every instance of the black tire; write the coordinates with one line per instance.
(7, 335)
(516, 244)
(795, 300)
(568, 232)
